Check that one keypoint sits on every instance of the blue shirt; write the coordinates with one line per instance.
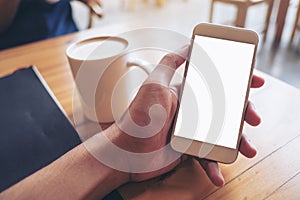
(36, 20)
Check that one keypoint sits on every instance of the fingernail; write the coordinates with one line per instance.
(219, 181)
(222, 181)
(257, 113)
(252, 145)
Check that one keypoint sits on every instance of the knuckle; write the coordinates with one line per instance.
(170, 58)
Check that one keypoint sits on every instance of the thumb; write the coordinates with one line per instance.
(166, 68)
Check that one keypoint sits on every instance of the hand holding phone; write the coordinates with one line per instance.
(156, 90)
(214, 94)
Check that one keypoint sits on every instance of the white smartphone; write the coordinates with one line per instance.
(214, 93)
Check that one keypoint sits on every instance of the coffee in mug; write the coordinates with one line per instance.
(99, 66)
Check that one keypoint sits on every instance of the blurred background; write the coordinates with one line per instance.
(281, 60)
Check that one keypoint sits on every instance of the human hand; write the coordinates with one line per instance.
(145, 126)
(95, 6)
(246, 148)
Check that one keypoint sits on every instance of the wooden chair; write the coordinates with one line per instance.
(132, 3)
(159, 3)
(242, 9)
(296, 24)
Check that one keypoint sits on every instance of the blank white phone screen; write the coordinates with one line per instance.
(232, 61)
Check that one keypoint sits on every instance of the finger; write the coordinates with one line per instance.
(96, 8)
(257, 81)
(251, 116)
(165, 70)
(175, 89)
(213, 171)
(247, 148)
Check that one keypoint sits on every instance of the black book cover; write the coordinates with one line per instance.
(34, 131)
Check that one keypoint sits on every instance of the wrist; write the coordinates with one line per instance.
(113, 134)
(102, 147)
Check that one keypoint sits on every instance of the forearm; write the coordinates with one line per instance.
(8, 9)
(76, 175)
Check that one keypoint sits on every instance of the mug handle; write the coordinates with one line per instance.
(142, 64)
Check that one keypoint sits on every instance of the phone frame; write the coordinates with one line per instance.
(211, 151)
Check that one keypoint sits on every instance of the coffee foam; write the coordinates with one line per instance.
(98, 48)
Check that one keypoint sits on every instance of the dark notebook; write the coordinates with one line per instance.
(33, 129)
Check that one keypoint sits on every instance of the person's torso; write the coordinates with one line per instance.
(36, 20)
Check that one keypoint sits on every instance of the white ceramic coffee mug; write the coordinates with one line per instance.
(99, 66)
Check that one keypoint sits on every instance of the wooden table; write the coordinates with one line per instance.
(273, 174)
